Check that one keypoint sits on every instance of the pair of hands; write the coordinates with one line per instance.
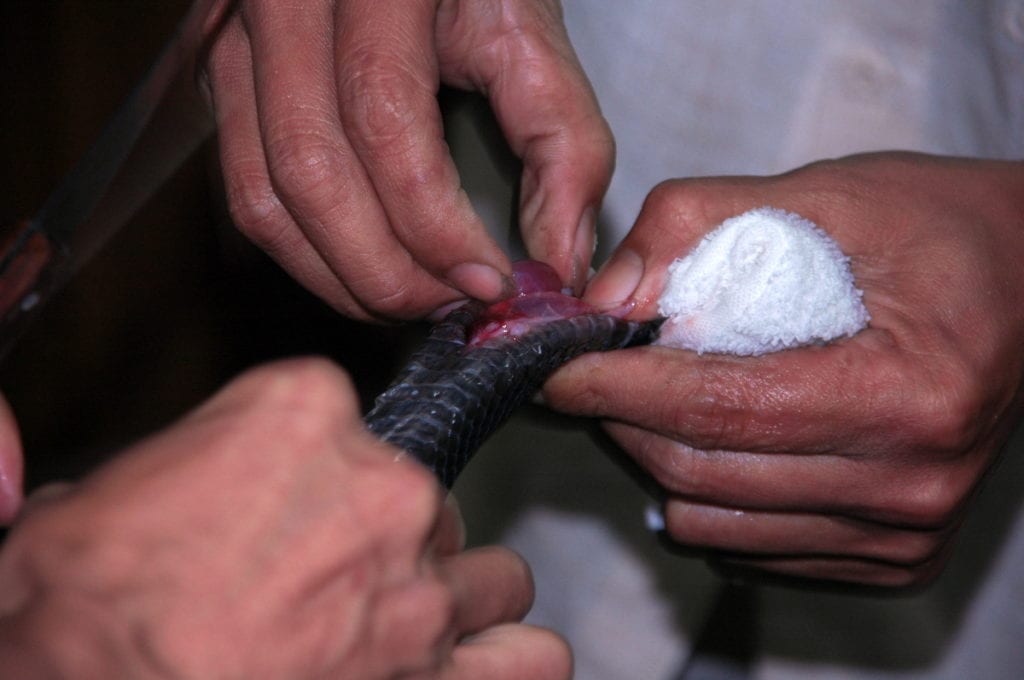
(267, 535)
(851, 462)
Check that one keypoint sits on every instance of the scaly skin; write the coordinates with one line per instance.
(474, 370)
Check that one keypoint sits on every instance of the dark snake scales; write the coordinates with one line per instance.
(452, 396)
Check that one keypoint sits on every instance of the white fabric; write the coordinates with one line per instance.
(761, 282)
(710, 87)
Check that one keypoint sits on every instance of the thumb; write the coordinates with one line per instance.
(549, 116)
(675, 217)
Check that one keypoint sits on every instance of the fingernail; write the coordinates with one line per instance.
(480, 281)
(583, 250)
(617, 280)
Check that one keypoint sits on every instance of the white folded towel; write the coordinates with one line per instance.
(762, 281)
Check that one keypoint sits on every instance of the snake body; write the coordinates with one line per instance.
(453, 394)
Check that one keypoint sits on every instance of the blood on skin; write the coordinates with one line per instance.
(539, 298)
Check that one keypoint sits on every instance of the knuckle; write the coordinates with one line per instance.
(910, 549)
(393, 298)
(912, 574)
(679, 209)
(309, 386)
(304, 163)
(674, 465)
(935, 414)
(933, 501)
(588, 153)
(254, 206)
(413, 498)
(423, 626)
(711, 412)
(379, 97)
(666, 197)
(947, 417)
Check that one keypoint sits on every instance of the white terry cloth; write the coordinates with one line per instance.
(763, 281)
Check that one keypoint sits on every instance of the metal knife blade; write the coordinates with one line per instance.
(161, 123)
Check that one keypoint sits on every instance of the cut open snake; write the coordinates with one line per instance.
(482, 362)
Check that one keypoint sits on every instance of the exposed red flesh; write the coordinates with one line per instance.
(539, 298)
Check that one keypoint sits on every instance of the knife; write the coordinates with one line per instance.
(160, 124)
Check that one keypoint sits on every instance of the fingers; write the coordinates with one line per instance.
(11, 465)
(793, 534)
(335, 161)
(387, 88)
(480, 590)
(251, 198)
(898, 493)
(838, 570)
(315, 170)
(490, 585)
(799, 400)
(511, 652)
(522, 59)
(376, 225)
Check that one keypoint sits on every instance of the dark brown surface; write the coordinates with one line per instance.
(178, 302)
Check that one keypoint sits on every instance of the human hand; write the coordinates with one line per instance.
(855, 461)
(333, 153)
(266, 535)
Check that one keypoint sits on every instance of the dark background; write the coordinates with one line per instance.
(178, 302)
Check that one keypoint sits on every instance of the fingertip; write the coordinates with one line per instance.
(617, 280)
(481, 281)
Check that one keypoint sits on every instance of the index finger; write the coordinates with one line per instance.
(809, 400)
(387, 90)
(316, 172)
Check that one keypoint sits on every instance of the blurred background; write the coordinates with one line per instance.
(178, 302)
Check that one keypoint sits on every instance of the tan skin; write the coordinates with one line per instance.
(333, 154)
(266, 535)
(853, 462)
(334, 162)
